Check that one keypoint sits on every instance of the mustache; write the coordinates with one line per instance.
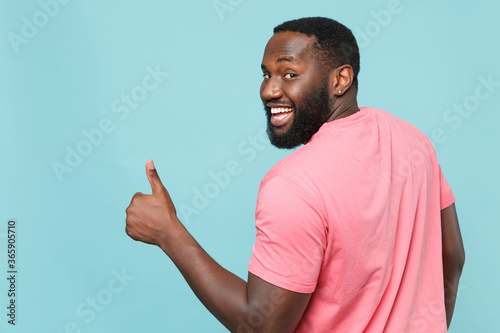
(278, 103)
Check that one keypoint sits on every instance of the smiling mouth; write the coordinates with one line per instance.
(280, 115)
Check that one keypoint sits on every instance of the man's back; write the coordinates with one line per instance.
(354, 217)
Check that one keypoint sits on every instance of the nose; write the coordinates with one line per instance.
(270, 89)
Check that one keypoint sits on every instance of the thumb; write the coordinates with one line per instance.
(154, 179)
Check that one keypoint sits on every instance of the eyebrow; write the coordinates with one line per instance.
(287, 59)
(282, 59)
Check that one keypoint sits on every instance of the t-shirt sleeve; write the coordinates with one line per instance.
(447, 196)
(291, 236)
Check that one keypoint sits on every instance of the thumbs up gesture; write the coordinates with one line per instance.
(150, 217)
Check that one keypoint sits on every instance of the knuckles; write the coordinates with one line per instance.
(137, 195)
(127, 230)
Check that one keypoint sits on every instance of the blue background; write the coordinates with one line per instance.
(63, 80)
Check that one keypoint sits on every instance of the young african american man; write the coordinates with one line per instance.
(356, 229)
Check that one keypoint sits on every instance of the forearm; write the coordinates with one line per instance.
(223, 293)
(452, 272)
(453, 258)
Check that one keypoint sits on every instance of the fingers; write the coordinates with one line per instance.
(148, 216)
(154, 180)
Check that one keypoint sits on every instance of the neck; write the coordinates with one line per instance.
(343, 108)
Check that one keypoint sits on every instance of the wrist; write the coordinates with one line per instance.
(174, 237)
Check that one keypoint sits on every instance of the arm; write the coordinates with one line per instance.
(453, 257)
(241, 306)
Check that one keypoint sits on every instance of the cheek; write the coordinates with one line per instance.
(301, 88)
(294, 94)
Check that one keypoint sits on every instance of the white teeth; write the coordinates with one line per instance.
(280, 110)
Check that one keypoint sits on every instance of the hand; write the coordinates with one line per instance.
(149, 217)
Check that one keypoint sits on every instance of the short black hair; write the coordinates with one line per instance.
(335, 42)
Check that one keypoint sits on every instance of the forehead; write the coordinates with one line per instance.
(287, 45)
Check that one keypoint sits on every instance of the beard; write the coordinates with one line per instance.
(309, 116)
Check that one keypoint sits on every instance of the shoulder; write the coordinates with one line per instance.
(297, 164)
(401, 128)
(383, 115)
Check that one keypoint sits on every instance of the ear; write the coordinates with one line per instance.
(341, 79)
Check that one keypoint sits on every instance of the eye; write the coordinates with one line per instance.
(290, 75)
(266, 76)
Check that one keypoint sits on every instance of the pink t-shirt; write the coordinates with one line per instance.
(353, 217)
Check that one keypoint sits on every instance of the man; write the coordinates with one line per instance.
(356, 230)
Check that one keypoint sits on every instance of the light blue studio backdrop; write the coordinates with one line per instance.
(89, 90)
